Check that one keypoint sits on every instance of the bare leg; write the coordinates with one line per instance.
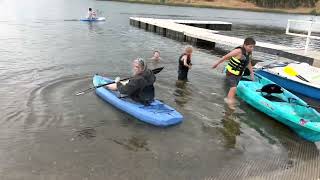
(231, 97)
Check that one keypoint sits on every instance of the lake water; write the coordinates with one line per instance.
(46, 132)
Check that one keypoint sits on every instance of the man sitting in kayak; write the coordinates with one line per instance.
(91, 14)
(139, 88)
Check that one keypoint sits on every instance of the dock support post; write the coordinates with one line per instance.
(200, 43)
(308, 38)
(161, 31)
(205, 44)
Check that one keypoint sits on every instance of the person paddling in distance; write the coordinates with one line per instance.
(239, 60)
(156, 56)
(185, 64)
(91, 14)
(139, 88)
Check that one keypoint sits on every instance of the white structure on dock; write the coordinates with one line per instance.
(308, 36)
(204, 33)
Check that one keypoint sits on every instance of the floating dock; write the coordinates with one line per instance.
(204, 33)
(213, 25)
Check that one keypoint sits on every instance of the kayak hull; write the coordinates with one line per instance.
(157, 113)
(93, 19)
(287, 109)
(301, 88)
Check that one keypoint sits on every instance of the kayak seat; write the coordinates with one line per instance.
(269, 89)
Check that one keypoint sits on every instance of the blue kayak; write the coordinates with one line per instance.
(282, 106)
(157, 113)
(296, 86)
(93, 19)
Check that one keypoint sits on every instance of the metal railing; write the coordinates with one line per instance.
(308, 36)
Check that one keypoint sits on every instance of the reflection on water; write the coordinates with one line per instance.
(182, 93)
(269, 128)
(153, 64)
(231, 127)
(134, 143)
(87, 133)
(47, 131)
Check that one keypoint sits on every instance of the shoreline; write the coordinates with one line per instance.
(213, 6)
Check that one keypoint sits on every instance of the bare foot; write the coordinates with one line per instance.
(231, 103)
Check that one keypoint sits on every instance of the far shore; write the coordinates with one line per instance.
(219, 4)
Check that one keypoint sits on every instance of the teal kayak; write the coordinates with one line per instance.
(282, 106)
(157, 113)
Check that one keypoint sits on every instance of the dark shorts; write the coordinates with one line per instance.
(232, 79)
(182, 75)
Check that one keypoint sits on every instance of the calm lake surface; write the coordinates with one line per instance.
(46, 132)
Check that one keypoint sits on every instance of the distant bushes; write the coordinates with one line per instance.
(284, 3)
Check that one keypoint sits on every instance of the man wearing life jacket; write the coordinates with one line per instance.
(185, 64)
(239, 60)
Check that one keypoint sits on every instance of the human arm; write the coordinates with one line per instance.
(114, 86)
(251, 70)
(130, 87)
(89, 14)
(234, 53)
(185, 63)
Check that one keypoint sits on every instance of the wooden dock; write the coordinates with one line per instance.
(204, 33)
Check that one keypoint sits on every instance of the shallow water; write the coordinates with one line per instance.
(48, 133)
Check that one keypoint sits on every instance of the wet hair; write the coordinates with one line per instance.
(188, 48)
(249, 41)
(156, 52)
(141, 63)
(90, 9)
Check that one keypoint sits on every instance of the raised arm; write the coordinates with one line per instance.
(234, 53)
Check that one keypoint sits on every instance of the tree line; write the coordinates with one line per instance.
(285, 3)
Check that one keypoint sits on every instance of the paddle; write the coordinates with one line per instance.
(155, 71)
(71, 20)
(291, 72)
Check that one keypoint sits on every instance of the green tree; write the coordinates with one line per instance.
(284, 3)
